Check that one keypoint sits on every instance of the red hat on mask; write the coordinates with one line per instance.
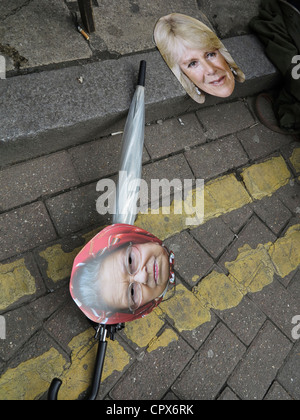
(110, 239)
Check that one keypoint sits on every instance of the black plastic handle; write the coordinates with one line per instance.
(101, 335)
(142, 73)
(54, 388)
(98, 371)
(56, 383)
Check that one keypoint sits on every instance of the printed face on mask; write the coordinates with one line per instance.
(208, 71)
(197, 57)
(121, 274)
(134, 276)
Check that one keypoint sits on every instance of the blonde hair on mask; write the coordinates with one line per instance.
(175, 33)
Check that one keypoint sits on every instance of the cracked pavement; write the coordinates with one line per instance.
(36, 44)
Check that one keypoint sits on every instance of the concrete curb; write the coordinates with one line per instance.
(49, 111)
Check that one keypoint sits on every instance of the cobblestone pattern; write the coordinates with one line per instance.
(227, 332)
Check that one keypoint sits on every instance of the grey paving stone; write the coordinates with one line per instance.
(214, 236)
(259, 141)
(289, 375)
(277, 393)
(196, 337)
(39, 344)
(208, 161)
(290, 196)
(245, 320)
(207, 373)
(192, 262)
(25, 229)
(225, 119)
(228, 395)
(279, 305)
(238, 218)
(253, 234)
(251, 57)
(294, 285)
(7, 7)
(173, 135)
(174, 167)
(46, 305)
(258, 369)
(20, 326)
(277, 218)
(232, 18)
(26, 182)
(99, 159)
(289, 153)
(75, 210)
(66, 323)
(149, 378)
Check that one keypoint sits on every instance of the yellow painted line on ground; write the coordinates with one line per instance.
(78, 377)
(253, 270)
(150, 326)
(16, 281)
(285, 252)
(295, 159)
(60, 262)
(31, 379)
(167, 337)
(221, 196)
(263, 179)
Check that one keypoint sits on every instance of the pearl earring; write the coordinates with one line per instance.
(172, 278)
(172, 258)
(172, 274)
(198, 91)
(233, 71)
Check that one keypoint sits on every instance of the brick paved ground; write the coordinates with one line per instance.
(227, 332)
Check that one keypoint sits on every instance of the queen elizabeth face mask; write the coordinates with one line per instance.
(121, 275)
(197, 57)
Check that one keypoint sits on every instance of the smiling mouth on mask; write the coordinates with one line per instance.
(218, 82)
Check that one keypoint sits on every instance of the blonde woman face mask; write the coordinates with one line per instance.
(209, 71)
(196, 56)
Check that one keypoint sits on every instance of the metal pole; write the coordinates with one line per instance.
(87, 17)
